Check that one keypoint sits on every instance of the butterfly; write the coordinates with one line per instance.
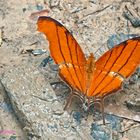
(91, 80)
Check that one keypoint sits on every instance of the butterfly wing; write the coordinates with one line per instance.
(65, 51)
(111, 68)
(115, 65)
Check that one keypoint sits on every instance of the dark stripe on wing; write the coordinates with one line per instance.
(72, 59)
(118, 70)
(62, 54)
(111, 66)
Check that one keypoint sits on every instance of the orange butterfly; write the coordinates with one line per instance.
(90, 80)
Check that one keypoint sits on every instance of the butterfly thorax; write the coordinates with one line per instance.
(90, 67)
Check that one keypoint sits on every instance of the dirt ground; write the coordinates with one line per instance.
(29, 107)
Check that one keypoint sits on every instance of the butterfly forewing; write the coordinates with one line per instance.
(65, 51)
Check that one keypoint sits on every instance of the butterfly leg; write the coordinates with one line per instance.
(68, 103)
(102, 110)
(88, 104)
(73, 94)
(100, 101)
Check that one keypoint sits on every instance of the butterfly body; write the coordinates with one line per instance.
(90, 80)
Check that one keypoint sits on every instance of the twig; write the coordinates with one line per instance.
(92, 13)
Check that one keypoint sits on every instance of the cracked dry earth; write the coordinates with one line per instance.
(32, 109)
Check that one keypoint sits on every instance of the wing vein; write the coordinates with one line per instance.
(63, 55)
(110, 67)
(72, 60)
(118, 70)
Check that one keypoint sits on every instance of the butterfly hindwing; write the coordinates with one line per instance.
(121, 61)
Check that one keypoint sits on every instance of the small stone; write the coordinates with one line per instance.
(39, 51)
(133, 134)
(135, 21)
(57, 108)
(100, 133)
(13, 137)
(54, 3)
(77, 116)
(133, 104)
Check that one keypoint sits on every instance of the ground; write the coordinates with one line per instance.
(30, 107)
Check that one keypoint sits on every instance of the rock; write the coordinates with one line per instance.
(9, 125)
(116, 39)
(35, 104)
(133, 134)
(133, 104)
(57, 109)
(134, 19)
(26, 80)
(109, 131)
